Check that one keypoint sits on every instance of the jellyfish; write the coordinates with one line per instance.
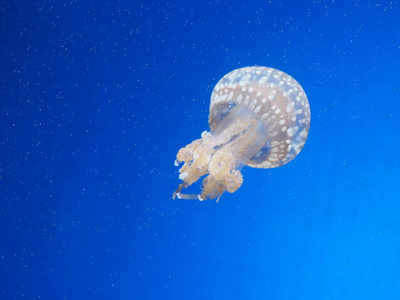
(259, 117)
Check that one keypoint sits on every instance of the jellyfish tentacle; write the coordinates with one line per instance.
(187, 196)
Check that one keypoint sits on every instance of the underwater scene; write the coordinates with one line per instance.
(200, 149)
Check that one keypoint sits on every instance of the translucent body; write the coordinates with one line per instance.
(259, 117)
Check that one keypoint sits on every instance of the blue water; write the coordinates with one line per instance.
(98, 97)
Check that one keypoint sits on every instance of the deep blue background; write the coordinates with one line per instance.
(97, 98)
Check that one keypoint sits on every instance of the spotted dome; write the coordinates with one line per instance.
(277, 100)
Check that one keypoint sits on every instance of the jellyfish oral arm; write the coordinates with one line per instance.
(220, 155)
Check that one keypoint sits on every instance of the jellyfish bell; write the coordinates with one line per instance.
(259, 117)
